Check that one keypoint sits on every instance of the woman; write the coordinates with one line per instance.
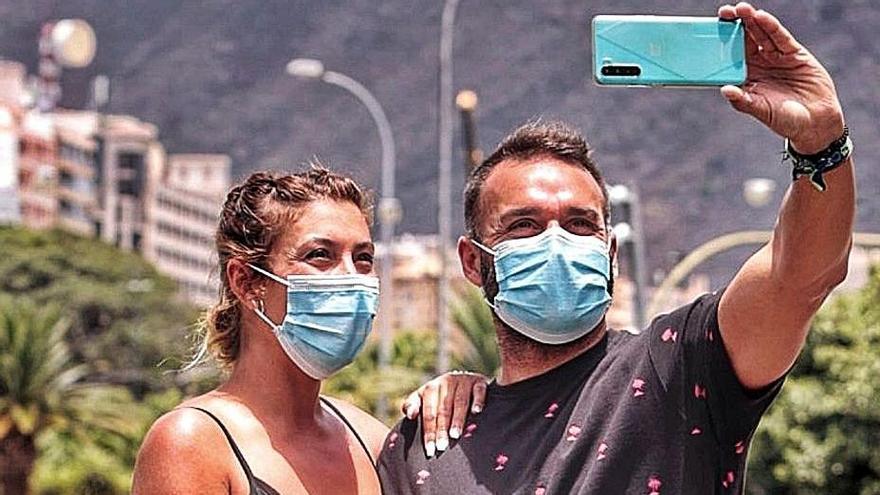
(297, 301)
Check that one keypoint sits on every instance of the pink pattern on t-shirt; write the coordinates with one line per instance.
(469, 430)
(728, 479)
(654, 485)
(638, 386)
(574, 432)
(500, 462)
(603, 447)
(551, 410)
(392, 440)
(422, 476)
(669, 334)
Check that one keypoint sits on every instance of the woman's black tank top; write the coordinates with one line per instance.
(258, 486)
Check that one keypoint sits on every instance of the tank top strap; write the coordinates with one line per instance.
(342, 417)
(235, 450)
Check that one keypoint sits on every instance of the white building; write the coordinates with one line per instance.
(182, 218)
(10, 210)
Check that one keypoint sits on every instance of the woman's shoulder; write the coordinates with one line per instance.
(185, 451)
(186, 423)
(370, 429)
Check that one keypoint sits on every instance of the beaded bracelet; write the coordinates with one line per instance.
(817, 164)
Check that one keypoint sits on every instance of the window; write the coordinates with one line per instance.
(131, 174)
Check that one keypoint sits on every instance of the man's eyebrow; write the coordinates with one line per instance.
(526, 211)
(366, 245)
(523, 211)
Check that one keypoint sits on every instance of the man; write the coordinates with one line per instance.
(578, 408)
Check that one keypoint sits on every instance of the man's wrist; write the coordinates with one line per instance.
(817, 164)
(820, 140)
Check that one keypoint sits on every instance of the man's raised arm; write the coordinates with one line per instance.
(765, 313)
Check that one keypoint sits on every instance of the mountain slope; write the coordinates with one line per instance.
(211, 75)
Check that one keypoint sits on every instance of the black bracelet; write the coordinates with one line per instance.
(817, 164)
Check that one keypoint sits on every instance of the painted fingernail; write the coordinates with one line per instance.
(430, 449)
(442, 444)
(477, 409)
(455, 432)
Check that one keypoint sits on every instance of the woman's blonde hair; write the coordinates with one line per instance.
(255, 213)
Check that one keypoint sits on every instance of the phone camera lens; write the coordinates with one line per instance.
(621, 70)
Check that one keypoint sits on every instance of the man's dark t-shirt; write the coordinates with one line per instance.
(658, 413)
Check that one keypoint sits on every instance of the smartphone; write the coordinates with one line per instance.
(647, 50)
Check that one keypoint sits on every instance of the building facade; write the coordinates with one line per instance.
(37, 171)
(131, 160)
(108, 176)
(12, 82)
(10, 209)
(181, 221)
(77, 170)
(114, 181)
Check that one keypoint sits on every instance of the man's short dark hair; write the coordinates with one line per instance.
(532, 140)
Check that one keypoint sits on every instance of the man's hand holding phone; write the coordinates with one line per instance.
(787, 89)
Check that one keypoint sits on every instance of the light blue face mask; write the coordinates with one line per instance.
(552, 287)
(328, 319)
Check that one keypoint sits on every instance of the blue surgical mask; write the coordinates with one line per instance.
(552, 287)
(328, 319)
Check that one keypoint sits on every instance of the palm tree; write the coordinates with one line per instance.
(42, 388)
(472, 316)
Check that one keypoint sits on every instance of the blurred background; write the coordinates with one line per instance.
(122, 125)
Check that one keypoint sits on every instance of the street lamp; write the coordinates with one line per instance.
(721, 244)
(629, 234)
(64, 43)
(758, 191)
(444, 180)
(467, 101)
(389, 211)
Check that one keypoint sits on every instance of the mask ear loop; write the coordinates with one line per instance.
(487, 250)
(490, 252)
(613, 268)
(261, 312)
(269, 274)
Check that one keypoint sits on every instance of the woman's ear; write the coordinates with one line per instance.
(241, 281)
(469, 256)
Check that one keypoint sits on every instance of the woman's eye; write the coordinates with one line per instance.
(318, 254)
(364, 258)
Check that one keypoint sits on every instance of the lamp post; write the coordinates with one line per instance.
(467, 101)
(444, 180)
(389, 210)
(629, 234)
(63, 43)
(758, 192)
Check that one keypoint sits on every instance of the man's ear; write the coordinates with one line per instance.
(241, 281)
(469, 255)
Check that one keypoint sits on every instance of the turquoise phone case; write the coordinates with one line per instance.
(668, 51)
